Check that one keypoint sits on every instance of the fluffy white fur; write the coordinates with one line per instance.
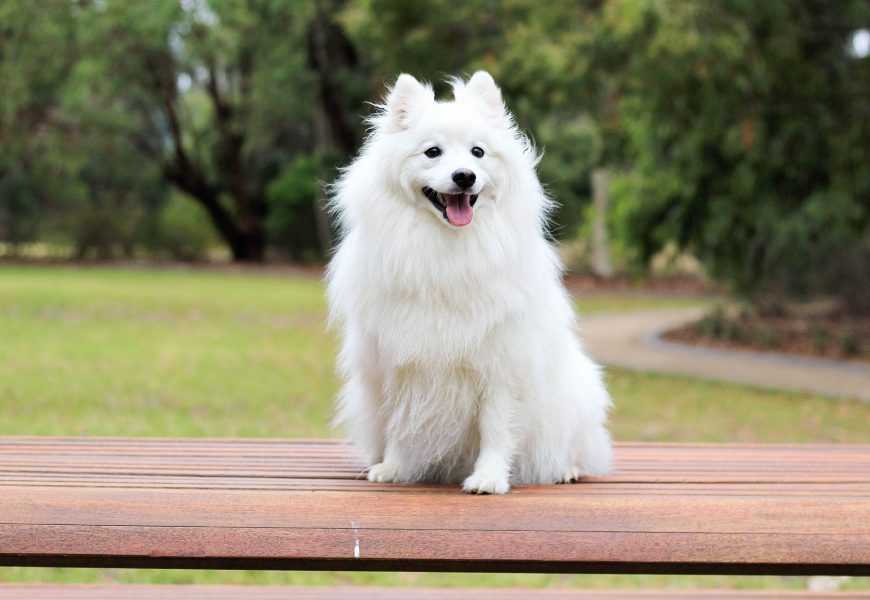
(459, 353)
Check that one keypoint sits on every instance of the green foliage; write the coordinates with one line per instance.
(20, 216)
(35, 39)
(718, 325)
(180, 230)
(216, 98)
(292, 197)
(736, 130)
(820, 340)
(542, 64)
(850, 345)
(97, 230)
(442, 39)
(572, 148)
(749, 131)
(215, 94)
(112, 194)
(768, 338)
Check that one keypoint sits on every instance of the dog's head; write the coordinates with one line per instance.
(452, 152)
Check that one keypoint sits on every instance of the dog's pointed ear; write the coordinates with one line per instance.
(482, 86)
(406, 96)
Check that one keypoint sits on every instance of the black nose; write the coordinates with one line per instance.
(464, 178)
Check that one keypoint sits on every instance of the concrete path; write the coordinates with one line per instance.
(631, 340)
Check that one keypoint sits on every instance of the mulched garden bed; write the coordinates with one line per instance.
(688, 285)
(842, 337)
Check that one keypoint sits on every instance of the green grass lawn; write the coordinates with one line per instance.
(142, 352)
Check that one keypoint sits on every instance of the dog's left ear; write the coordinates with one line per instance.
(482, 86)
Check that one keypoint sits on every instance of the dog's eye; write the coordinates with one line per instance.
(433, 152)
(477, 151)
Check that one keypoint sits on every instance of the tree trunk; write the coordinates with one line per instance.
(329, 53)
(242, 227)
(249, 247)
(601, 263)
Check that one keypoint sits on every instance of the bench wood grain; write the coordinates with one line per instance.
(277, 592)
(271, 504)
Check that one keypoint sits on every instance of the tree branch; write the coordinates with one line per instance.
(180, 170)
(230, 159)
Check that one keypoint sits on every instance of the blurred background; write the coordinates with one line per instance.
(162, 230)
(734, 131)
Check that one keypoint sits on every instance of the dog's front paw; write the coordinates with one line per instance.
(383, 472)
(571, 474)
(486, 483)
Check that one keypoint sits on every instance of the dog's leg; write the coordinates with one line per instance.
(371, 420)
(491, 473)
(388, 470)
(359, 412)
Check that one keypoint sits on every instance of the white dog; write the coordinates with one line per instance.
(459, 352)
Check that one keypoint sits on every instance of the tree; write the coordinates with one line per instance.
(750, 133)
(36, 53)
(188, 77)
(571, 106)
(535, 52)
(219, 95)
(332, 58)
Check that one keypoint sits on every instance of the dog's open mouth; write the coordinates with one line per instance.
(456, 208)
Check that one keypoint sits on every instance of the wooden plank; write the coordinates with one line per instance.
(327, 459)
(302, 504)
(214, 547)
(234, 592)
(577, 511)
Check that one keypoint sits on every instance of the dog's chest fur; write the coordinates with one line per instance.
(435, 310)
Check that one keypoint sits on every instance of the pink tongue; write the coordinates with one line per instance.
(459, 211)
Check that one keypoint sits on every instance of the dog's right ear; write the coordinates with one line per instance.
(406, 96)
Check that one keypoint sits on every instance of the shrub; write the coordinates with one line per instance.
(768, 338)
(850, 345)
(181, 230)
(103, 228)
(291, 226)
(820, 339)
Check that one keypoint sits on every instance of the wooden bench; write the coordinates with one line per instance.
(269, 504)
(274, 592)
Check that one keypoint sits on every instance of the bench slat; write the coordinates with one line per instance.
(234, 592)
(669, 508)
